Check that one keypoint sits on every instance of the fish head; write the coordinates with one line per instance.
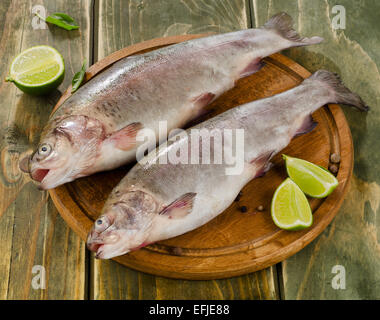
(48, 163)
(66, 151)
(123, 226)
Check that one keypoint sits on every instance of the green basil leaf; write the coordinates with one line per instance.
(64, 16)
(62, 20)
(78, 78)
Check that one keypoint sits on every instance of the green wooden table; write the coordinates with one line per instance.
(33, 234)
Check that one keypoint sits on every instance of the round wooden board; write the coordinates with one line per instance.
(234, 243)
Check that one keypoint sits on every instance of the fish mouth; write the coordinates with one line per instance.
(99, 252)
(97, 248)
(39, 174)
(24, 164)
(94, 244)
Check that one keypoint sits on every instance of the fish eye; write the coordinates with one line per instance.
(44, 149)
(101, 224)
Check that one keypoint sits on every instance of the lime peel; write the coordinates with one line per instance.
(290, 209)
(37, 70)
(314, 180)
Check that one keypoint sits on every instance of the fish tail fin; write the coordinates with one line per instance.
(340, 92)
(282, 23)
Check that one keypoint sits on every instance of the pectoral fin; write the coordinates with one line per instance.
(125, 138)
(180, 207)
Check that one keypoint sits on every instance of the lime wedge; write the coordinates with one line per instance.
(290, 209)
(38, 70)
(313, 180)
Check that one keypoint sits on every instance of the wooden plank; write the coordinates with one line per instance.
(114, 281)
(122, 23)
(352, 240)
(31, 231)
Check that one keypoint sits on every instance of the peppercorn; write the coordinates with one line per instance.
(176, 251)
(335, 158)
(333, 168)
(243, 209)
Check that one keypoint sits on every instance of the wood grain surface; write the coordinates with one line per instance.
(31, 231)
(352, 241)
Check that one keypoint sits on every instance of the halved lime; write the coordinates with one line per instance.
(38, 70)
(290, 209)
(313, 180)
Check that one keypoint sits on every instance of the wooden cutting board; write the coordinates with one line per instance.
(233, 243)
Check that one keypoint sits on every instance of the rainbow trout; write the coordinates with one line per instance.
(95, 129)
(158, 200)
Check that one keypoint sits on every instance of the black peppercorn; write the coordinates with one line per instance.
(243, 209)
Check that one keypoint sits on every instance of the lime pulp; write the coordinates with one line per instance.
(37, 70)
(290, 208)
(313, 180)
